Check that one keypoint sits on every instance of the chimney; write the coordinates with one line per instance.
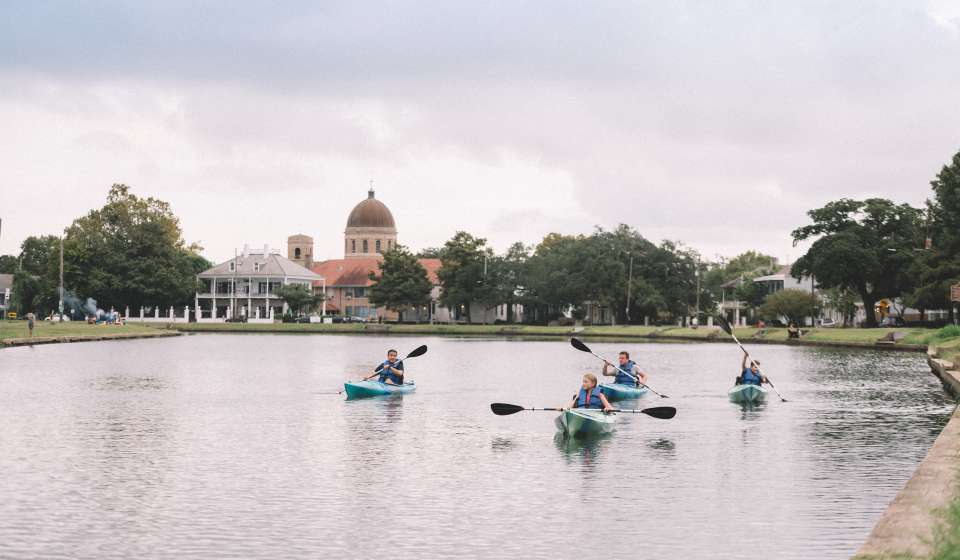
(266, 250)
(246, 250)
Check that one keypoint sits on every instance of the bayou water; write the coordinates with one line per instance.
(234, 446)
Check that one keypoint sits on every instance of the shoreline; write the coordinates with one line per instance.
(18, 342)
(748, 335)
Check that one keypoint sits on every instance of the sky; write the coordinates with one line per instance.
(714, 124)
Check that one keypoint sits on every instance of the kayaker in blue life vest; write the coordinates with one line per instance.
(590, 396)
(391, 372)
(627, 365)
(750, 375)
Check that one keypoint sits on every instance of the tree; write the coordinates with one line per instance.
(792, 304)
(130, 252)
(300, 299)
(8, 264)
(462, 272)
(940, 266)
(865, 246)
(402, 283)
(36, 281)
(843, 301)
(431, 253)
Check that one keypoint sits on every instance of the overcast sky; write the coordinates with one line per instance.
(717, 126)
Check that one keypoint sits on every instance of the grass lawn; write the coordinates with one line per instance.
(18, 329)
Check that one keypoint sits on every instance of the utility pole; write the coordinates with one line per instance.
(696, 320)
(233, 300)
(629, 285)
(60, 305)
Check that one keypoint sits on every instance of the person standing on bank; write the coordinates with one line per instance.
(636, 376)
(30, 323)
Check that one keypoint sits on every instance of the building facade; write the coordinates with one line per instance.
(246, 286)
(6, 292)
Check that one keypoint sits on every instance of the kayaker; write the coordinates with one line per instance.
(750, 375)
(627, 365)
(391, 372)
(590, 396)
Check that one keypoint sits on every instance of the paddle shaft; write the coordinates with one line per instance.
(754, 363)
(632, 376)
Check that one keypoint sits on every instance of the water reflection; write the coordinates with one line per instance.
(587, 451)
(501, 444)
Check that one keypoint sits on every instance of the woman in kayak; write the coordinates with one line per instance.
(750, 375)
(626, 365)
(390, 371)
(590, 396)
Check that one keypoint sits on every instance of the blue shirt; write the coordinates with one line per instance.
(385, 375)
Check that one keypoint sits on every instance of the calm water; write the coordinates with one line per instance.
(222, 446)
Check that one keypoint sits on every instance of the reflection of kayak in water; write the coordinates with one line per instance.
(363, 389)
(585, 422)
(747, 394)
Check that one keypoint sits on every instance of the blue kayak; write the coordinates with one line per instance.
(364, 389)
(747, 394)
(621, 391)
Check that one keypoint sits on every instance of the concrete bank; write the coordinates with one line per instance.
(906, 529)
(10, 342)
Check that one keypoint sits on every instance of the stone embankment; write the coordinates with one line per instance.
(908, 526)
(84, 338)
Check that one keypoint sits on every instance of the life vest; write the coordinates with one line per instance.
(623, 378)
(594, 401)
(389, 375)
(749, 378)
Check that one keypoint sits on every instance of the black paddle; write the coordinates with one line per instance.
(579, 345)
(418, 351)
(725, 325)
(661, 412)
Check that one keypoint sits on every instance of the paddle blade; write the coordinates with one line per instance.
(419, 351)
(661, 412)
(724, 324)
(579, 345)
(503, 409)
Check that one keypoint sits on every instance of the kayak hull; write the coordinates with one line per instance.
(365, 389)
(621, 392)
(579, 422)
(747, 394)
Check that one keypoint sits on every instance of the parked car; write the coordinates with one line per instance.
(828, 323)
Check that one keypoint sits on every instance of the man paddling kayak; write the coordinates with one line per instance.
(390, 371)
(750, 375)
(590, 396)
(626, 365)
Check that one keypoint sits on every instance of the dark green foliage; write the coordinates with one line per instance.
(402, 283)
(795, 305)
(865, 246)
(300, 299)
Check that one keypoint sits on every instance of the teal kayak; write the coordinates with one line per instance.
(621, 391)
(585, 422)
(747, 394)
(364, 389)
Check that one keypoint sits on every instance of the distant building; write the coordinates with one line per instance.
(300, 250)
(247, 285)
(370, 230)
(6, 291)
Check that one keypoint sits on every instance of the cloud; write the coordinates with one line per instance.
(509, 120)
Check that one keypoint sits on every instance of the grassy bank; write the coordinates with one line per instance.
(914, 338)
(43, 329)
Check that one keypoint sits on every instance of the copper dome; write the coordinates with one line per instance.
(370, 213)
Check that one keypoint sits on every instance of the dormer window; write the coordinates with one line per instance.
(233, 266)
(256, 267)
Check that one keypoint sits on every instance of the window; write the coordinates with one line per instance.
(233, 266)
(378, 246)
(389, 244)
(359, 292)
(353, 245)
(366, 246)
(296, 253)
(256, 266)
(348, 311)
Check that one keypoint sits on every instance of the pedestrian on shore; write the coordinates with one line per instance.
(30, 323)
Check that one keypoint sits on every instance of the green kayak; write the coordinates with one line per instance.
(621, 392)
(585, 422)
(747, 394)
(364, 389)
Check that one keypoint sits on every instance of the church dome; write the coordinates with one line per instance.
(371, 213)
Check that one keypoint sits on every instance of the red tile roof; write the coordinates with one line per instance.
(356, 271)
